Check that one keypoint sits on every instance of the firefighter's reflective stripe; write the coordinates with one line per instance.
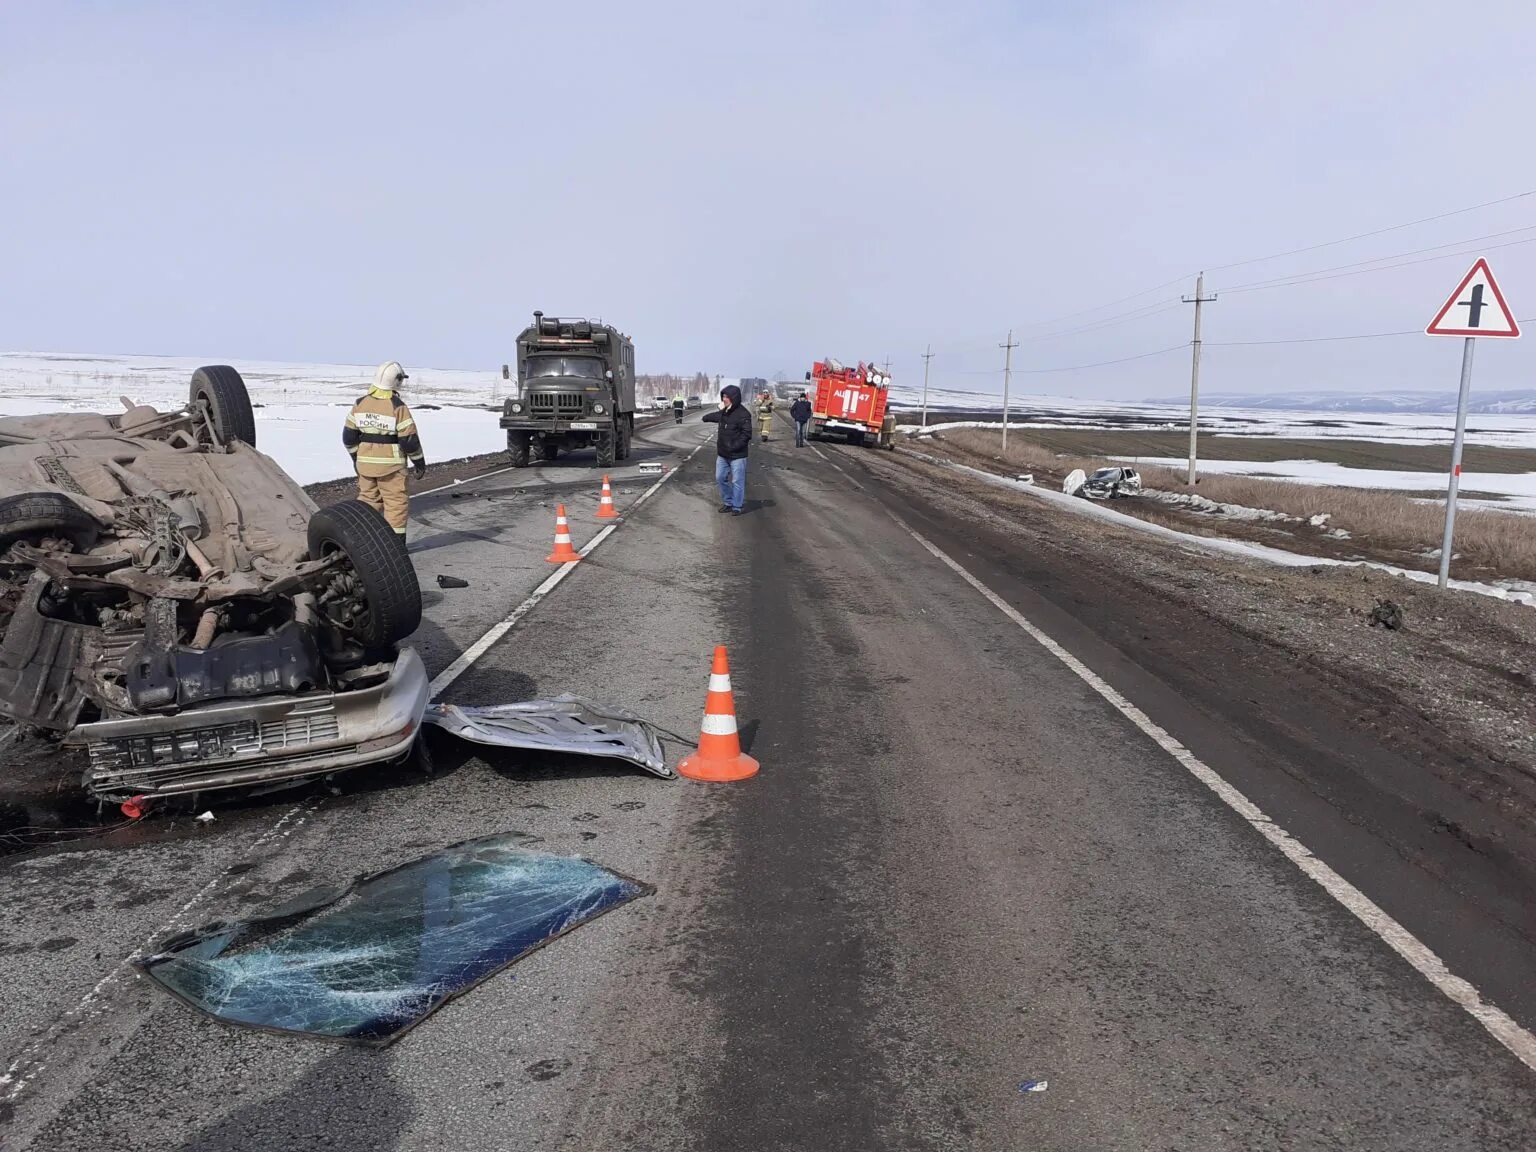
(381, 433)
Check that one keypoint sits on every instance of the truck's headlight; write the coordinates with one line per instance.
(597, 409)
(516, 407)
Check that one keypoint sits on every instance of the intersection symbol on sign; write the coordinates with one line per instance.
(1476, 308)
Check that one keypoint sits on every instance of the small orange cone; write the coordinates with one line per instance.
(719, 758)
(563, 553)
(605, 508)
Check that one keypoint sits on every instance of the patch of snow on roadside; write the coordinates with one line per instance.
(1516, 591)
(1197, 503)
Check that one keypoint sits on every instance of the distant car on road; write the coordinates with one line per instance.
(695, 402)
(661, 403)
(1104, 484)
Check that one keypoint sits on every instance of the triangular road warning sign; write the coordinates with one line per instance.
(1476, 308)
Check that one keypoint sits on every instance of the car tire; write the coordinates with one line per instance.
(607, 449)
(548, 451)
(229, 402)
(39, 514)
(517, 449)
(383, 568)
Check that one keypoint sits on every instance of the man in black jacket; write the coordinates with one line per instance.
(731, 443)
(800, 412)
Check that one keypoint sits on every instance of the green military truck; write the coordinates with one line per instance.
(575, 388)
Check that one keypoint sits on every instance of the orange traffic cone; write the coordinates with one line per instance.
(563, 553)
(719, 757)
(605, 509)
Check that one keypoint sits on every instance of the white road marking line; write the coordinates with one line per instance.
(466, 660)
(1498, 1023)
(462, 483)
(25, 1068)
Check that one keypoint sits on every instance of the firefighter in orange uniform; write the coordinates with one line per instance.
(381, 436)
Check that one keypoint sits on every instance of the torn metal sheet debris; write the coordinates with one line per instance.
(367, 961)
(565, 724)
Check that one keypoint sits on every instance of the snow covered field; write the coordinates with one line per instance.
(1508, 431)
(302, 406)
(1518, 488)
(1505, 431)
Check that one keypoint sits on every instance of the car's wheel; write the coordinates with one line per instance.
(607, 449)
(517, 449)
(229, 403)
(548, 450)
(36, 515)
(384, 591)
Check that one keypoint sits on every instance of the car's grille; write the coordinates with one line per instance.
(560, 405)
(154, 759)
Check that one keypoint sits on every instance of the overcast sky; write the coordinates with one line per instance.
(747, 186)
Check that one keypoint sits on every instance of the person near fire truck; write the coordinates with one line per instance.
(380, 434)
(800, 412)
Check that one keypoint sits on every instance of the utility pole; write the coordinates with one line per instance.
(887, 365)
(1007, 375)
(1198, 299)
(927, 356)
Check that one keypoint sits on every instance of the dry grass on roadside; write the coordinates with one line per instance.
(1504, 542)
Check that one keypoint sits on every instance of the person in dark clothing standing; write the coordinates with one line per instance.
(731, 443)
(800, 412)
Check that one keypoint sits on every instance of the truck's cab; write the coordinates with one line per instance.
(576, 387)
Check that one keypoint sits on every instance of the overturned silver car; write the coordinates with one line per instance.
(172, 602)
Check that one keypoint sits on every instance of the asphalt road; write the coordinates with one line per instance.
(960, 869)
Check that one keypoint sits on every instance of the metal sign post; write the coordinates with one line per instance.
(1486, 315)
(1455, 485)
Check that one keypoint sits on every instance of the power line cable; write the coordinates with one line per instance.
(1074, 367)
(1291, 252)
(1111, 321)
(1322, 339)
(1386, 267)
(1377, 260)
(1375, 232)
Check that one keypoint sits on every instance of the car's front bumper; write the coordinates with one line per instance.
(249, 743)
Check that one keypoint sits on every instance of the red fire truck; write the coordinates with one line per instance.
(851, 401)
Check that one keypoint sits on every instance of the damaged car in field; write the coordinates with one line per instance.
(175, 605)
(1104, 483)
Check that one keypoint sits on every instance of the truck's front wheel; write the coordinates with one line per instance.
(626, 436)
(517, 449)
(607, 449)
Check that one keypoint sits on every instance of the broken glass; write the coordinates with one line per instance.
(368, 961)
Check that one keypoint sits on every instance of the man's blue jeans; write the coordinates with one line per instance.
(731, 475)
(799, 433)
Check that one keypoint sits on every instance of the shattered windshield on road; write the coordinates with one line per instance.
(368, 961)
(540, 367)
